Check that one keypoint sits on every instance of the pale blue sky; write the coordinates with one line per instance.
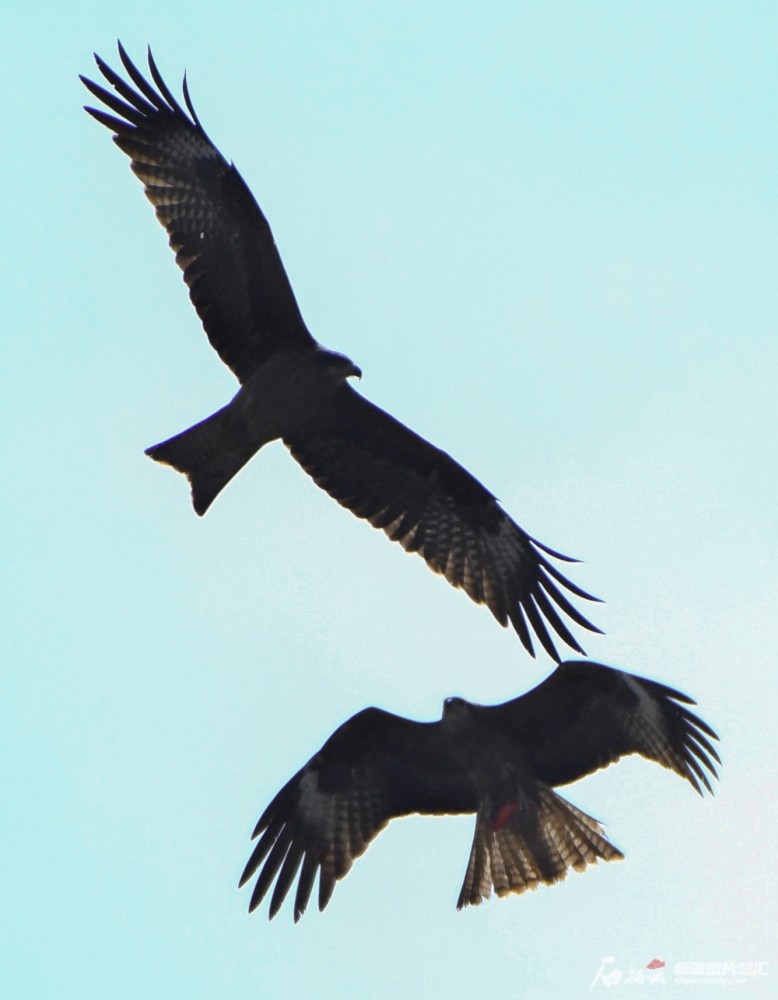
(548, 234)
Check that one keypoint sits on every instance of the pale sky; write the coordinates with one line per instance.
(547, 233)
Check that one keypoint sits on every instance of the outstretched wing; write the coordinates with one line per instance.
(586, 716)
(220, 237)
(375, 767)
(382, 471)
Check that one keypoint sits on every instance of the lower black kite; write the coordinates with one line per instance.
(500, 762)
(295, 390)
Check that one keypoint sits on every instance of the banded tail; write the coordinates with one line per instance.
(523, 844)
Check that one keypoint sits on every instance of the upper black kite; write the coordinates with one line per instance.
(500, 762)
(295, 390)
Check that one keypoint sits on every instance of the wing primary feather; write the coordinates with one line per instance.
(549, 612)
(114, 124)
(269, 815)
(127, 111)
(567, 584)
(263, 821)
(698, 723)
(286, 877)
(539, 627)
(189, 104)
(687, 769)
(694, 761)
(705, 746)
(130, 95)
(516, 616)
(259, 853)
(326, 884)
(561, 601)
(270, 868)
(553, 552)
(141, 82)
(304, 886)
(669, 692)
(163, 87)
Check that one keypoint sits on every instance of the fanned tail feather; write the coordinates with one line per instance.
(536, 843)
(209, 454)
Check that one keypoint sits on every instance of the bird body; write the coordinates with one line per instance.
(500, 762)
(295, 390)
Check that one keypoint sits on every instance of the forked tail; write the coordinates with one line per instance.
(519, 845)
(209, 454)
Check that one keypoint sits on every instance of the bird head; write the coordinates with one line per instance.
(455, 711)
(337, 366)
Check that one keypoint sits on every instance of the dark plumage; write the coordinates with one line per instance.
(500, 762)
(295, 390)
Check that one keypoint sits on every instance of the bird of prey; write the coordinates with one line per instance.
(500, 762)
(292, 389)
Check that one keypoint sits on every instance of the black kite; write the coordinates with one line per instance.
(295, 390)
(500, 762)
